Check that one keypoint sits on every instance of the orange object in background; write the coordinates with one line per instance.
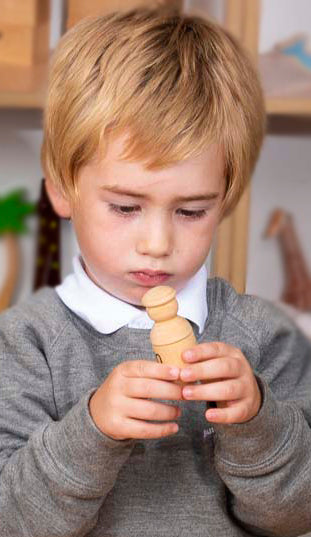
(24, 31)
(297, 285)
(77, 9)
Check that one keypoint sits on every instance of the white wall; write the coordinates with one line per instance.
(281, 178)
(281, 19)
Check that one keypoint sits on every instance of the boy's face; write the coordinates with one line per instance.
(129, 220)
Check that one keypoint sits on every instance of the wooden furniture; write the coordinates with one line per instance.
(24, 12)
(77, 9)
(24, 52)
(230, 248)
(240, 14)
(23, 86)
(24, 31)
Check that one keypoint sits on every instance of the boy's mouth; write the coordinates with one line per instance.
(150, 277)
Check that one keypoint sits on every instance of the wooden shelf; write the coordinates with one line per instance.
(288, 106)
(23, 87)
(286, 83)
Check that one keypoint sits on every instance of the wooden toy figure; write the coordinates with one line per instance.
(171, 334)
(297, 289)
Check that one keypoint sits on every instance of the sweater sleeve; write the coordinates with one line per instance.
(54, 474)
(266, 462)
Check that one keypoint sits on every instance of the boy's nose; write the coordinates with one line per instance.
(155, 240)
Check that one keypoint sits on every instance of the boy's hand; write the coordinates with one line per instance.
(226, 377)
(121, 407)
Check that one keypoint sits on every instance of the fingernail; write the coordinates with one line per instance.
(187, 392)
(185, 374)
(174, 372)
(211, 414)
(188, 354)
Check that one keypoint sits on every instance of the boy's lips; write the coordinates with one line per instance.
(150, 277)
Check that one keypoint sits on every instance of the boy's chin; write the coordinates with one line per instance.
(134, 299)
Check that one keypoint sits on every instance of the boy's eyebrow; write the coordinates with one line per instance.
(198, 197)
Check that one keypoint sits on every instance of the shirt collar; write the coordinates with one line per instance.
(107, 313)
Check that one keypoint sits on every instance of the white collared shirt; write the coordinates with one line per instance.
(107, 313)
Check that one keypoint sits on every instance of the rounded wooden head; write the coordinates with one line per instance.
(160, 302)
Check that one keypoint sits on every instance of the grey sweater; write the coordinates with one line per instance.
(60, 476)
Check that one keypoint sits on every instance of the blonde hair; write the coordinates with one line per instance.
(177, 82)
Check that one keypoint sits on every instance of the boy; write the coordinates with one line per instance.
(153, 125)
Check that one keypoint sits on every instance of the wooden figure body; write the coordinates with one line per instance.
(171, 334)
(297, 289)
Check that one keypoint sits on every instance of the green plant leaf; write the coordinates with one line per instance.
(14, 209)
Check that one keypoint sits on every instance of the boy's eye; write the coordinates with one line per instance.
(192, 214)
(124, 210)
(129, 210)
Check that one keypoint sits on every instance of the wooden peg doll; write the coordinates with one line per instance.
(171, 334)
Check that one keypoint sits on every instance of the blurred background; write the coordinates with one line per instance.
(264, 248)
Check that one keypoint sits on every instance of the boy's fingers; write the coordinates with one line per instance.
(145, 388)
(217, 368)
(215, 391)
(235, 413)
(143, 430)
(149, 369)
(204, 351)
(150, 410)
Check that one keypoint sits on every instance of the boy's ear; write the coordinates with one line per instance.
(60, 203)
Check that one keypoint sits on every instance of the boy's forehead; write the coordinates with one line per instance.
(210, 159)
(132, 178)
(115, 146)
(196, 178)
